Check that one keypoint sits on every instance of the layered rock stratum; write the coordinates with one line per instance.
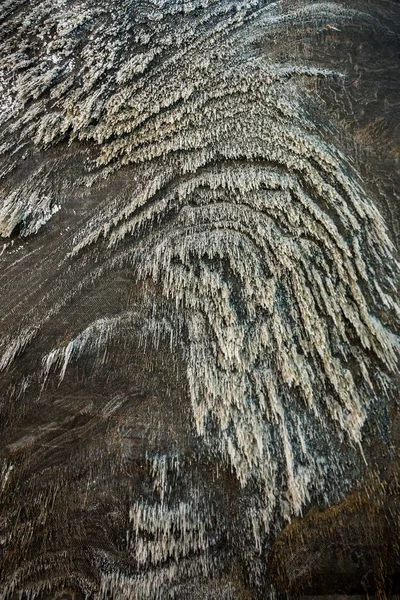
(199, 298)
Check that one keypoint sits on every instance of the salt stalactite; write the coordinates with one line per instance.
(94, 340)
(168, 539)
(242, 216)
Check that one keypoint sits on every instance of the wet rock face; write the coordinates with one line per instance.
(199, 351)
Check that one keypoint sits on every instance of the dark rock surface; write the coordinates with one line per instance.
(200, 221)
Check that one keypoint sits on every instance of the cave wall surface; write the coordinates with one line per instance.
(199, 221)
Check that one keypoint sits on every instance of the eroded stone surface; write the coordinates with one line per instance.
(199, 298)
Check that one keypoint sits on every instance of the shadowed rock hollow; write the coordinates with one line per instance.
(199, 349)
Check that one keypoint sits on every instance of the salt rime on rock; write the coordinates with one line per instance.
(261, 260)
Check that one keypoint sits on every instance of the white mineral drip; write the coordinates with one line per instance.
(6, 470)
(252, 227)
(154, 584)
(172, 536)
(96, 337)
(164, 532)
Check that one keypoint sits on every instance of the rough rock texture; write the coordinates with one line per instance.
(199, 344)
